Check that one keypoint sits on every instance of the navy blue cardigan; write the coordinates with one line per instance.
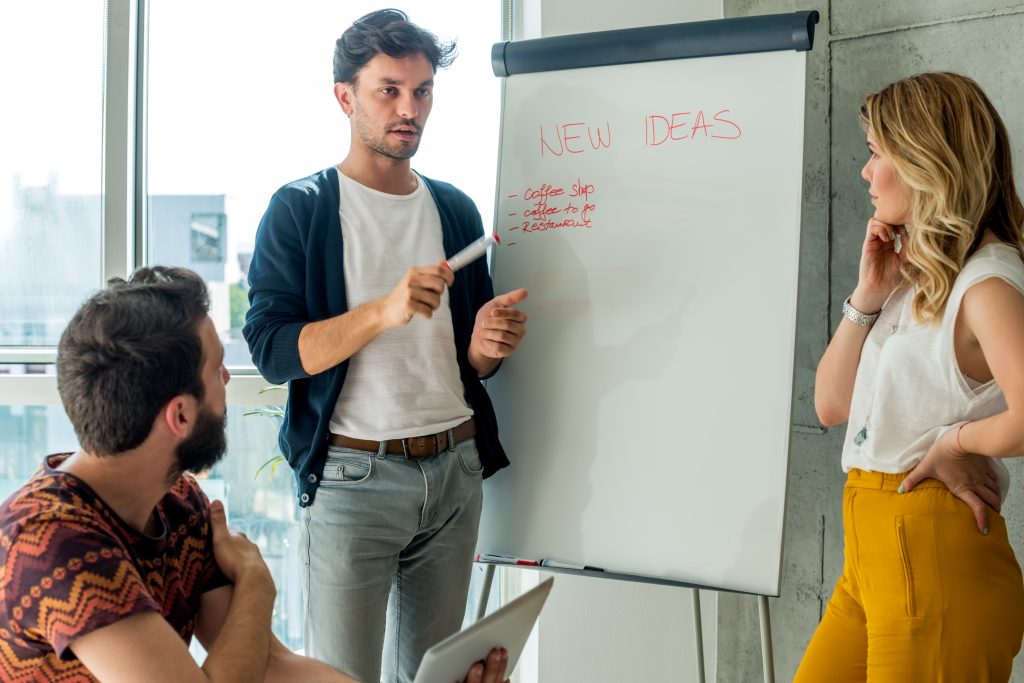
(296, 277)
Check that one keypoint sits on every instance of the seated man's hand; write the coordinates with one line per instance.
(491, 670)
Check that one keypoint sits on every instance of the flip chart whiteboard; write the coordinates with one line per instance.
(652, 209)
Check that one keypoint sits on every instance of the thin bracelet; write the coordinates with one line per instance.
(958, 430)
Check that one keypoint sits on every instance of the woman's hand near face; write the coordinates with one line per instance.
(879, 265)
(879, 276)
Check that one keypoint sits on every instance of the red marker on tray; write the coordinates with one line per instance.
(501, 559)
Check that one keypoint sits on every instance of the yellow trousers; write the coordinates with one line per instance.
(924, 596)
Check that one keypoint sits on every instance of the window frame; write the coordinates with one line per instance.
(124, 202)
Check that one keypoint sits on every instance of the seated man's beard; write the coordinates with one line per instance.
(205, 447)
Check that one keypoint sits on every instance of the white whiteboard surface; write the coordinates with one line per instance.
(647, 411)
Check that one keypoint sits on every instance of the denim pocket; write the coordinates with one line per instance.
(345, 467)
(469, 458)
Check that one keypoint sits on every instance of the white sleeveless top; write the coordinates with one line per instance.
(406, 381)
(909, 389)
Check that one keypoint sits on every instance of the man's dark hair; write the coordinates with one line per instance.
(128, 350)
(390, 32)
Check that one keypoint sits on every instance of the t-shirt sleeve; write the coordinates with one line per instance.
(64, 580)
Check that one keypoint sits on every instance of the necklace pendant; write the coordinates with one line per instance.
(861, 437)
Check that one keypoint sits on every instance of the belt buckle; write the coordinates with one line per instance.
(426, 453)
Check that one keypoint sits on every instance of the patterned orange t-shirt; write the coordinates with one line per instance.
(69, 565)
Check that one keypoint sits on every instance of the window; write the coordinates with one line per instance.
(262, 504)
(207, 232)
(263, 75)
(50, 164)
(27, 434)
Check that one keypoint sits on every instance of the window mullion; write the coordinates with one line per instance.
(140, 186)
(119, 139)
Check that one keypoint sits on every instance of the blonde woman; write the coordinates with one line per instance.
(927, 370)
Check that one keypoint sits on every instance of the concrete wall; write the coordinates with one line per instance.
(860, 46)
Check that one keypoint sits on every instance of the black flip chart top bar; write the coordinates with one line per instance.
(767, 33)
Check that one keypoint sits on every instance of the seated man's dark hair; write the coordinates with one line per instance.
(390, 32)
(128, 350)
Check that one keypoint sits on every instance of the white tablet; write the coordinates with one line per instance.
(508, 627)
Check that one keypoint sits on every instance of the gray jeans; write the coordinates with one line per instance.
(388, 541)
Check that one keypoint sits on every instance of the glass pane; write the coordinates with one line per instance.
(262, 506)
(27, 435)
(51, 95)
(260, 501)
(241, 102)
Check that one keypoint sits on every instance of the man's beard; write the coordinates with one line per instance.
(204, 448)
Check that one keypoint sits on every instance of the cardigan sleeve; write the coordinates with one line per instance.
(277, 311)
(481, 289)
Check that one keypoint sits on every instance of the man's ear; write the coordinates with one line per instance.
(343, 93)
(179, 415)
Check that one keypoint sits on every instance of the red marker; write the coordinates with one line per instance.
(501, 559)
(472, 252)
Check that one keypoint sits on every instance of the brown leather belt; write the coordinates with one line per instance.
(413, 446)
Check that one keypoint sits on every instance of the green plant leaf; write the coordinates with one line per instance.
(270, 412)
(273, 464)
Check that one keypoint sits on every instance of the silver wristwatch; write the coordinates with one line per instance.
(856, 317)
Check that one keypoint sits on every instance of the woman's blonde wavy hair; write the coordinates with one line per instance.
(951, 150)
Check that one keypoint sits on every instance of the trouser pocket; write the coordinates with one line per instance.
(908, 567)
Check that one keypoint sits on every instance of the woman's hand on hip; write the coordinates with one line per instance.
(969, 477)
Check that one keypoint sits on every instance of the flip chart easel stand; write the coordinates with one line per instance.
(767, 659)
(546, 84)
(698, 635)
(481, 607)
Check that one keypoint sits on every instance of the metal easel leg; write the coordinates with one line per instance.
(767, 659)
(698, 635)
(485, 592)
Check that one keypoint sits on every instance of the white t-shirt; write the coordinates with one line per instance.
(406, 381)
(909, 389)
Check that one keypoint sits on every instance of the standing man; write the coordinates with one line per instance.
(388, 427)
